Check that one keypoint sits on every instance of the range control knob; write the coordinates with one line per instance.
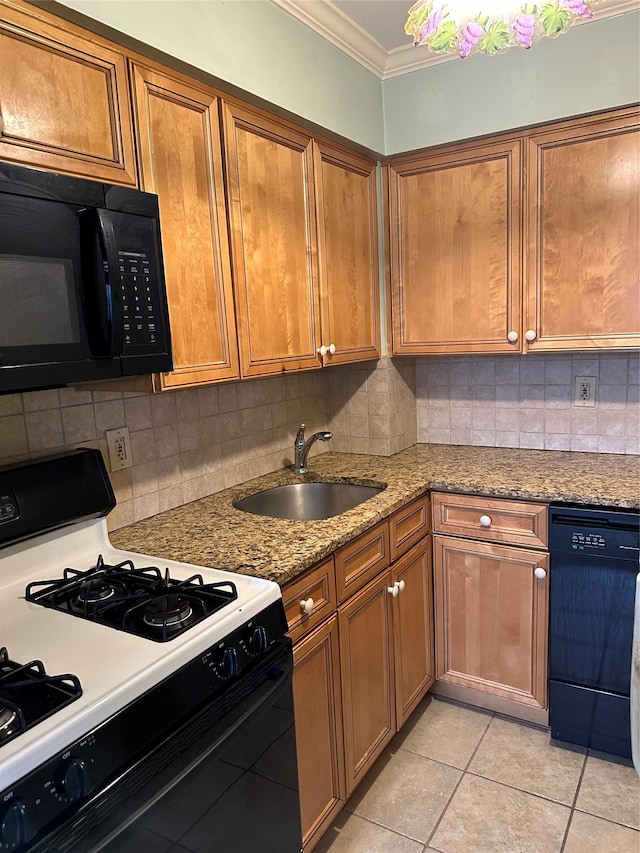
(15, 826)
(230, 664)
(258, 640)
(73, 780)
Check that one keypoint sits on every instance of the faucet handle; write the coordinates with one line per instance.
(300, 434)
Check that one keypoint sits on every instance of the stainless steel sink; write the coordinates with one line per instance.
(308, 501)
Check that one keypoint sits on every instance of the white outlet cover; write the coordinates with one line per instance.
(584, 391)
(119, 447)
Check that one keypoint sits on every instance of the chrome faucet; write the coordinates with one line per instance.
(301, 448)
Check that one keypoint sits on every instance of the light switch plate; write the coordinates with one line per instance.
(119, 447)
(584, 392)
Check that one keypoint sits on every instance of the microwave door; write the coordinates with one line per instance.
(46, 328)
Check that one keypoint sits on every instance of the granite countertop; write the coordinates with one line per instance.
(211, 532)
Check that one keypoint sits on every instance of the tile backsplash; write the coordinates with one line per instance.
(184, 444)
(190, 443)
(527, 401)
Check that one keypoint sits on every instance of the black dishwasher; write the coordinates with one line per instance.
(594, 562)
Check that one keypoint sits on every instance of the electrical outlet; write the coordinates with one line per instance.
(584, 392)
(119, 446)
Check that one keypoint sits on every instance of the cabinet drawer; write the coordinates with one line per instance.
(361, 560)
(491, 519)
(318, 589)
(407, 526)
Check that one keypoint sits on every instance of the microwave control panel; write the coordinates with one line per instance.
(140, 308)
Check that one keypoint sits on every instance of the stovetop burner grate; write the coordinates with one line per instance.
(29, 695)
(139, 601)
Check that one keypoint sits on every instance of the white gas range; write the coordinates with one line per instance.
(150, 651)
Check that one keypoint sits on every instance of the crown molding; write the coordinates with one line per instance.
(333, 25)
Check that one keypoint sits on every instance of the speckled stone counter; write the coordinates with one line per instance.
(211, 532)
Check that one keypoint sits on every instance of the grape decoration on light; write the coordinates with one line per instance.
(460, 26)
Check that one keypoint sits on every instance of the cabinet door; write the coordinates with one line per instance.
(583, 276)
(413, 629)
(180, 160)
(455, 250)
(491, 618)
(63, 102)
(367, 677)
(318, 713)
(348, 254)
(273, 242)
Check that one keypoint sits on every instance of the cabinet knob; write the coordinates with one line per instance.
(322, 350)
(393, 590)
(401, 585)
(540, 573)
(332, 349)
(512, 337)
(530, 335)
(307, 605)
(485, 521)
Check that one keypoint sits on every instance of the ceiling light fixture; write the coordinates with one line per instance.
(491, 26)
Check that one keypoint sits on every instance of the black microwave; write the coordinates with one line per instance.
(82, 291)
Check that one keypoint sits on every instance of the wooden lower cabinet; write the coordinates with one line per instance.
(357, 678)
(413, 630)
(491, 618)
(318, 711)
(367, 664)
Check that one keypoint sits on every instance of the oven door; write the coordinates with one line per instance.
(228, 786)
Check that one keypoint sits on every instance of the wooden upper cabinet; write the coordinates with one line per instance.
(272, 225)
(455, 250)
(348, 254)
(582, 274)
(64, 101)
(180, 159)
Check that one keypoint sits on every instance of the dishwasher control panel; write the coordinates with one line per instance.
(605, 532)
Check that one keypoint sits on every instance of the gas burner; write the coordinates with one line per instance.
(167, 610)
(29, 695)
(8, 718)
(94, 591)
(145, 602)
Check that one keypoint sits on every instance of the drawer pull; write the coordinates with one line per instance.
(485, 520)
(540, 573)
(307, 605)
(396, 588)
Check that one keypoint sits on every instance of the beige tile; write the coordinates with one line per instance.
(444, 732)
(75, 396)
(146, 506)
(352, 834)
(13, 436)
(611, 791)
(163, 410)
(521, 756)
(144, 479)
(10, 404)
(485, 817)
(36, 401)
(138, 412)
(109, 415)
(406, 793)
(121, 516)
(44, 430)
(589, 834)
(143, 447)
(79, 423)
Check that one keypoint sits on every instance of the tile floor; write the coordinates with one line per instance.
(457, 780)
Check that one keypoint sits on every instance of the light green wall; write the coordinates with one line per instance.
(592, 67)
(255, 45)
(260, 48)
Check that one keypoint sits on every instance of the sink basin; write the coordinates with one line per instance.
(308, 501)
